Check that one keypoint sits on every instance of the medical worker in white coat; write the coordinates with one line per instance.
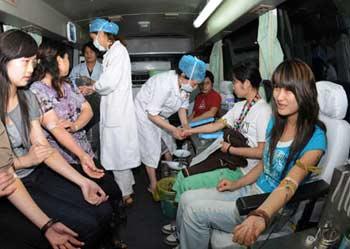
(91, 69)
(119, 142)
(160, 97)
(87, 73)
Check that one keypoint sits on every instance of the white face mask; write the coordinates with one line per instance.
(185, 91)
(187, 87)
(98, 45)
(184, 95)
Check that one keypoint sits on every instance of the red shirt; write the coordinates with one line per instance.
(205, 101)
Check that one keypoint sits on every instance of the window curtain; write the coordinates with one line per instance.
(216, 64)
(343, 58)
(270, 51)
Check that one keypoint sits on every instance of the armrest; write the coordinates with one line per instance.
(201, 122)
(213, 135)
(312, 190)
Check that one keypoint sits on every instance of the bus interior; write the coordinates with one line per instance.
(158, 33)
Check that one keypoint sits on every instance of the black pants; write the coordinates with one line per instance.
(17, 231)
(107, 183)
(59, 199)
(93, 127)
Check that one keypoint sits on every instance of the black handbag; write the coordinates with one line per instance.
(219, 159)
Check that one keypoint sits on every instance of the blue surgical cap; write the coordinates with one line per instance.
(192, 67)
(100, 24)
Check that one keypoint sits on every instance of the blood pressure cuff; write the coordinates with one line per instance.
(219, 159)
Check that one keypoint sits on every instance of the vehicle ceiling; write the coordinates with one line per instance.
(175, 17)
(163, 15)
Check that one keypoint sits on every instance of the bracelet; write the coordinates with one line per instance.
(47, 226)
(261, 213)
(228, 149)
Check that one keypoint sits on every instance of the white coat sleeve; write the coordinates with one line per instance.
(185, 104)
(159, 96)
(114, 73)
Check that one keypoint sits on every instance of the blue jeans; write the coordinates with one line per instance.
(202, 210)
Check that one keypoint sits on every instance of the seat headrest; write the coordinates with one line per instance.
(226, 87)
(332, 99)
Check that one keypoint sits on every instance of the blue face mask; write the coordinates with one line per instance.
(98, 45)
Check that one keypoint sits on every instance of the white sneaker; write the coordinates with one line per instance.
(171, 240)
(168, 228)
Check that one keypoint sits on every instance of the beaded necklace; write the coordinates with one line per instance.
(246, 108)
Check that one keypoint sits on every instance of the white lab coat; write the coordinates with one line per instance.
(160, 95)
(118, 129)
(82, 70)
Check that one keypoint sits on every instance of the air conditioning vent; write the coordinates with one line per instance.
(32, 29)
(261, 9)
(116, 18)
(171, 15)
(144, 26)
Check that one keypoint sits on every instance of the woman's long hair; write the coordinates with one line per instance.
(297, 77)
(14, 44)
(47, 64)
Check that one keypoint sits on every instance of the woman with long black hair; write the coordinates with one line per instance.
(65, 113)
(295, 140)
(58, 189)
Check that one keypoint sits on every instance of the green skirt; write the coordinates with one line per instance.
(204, 180)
